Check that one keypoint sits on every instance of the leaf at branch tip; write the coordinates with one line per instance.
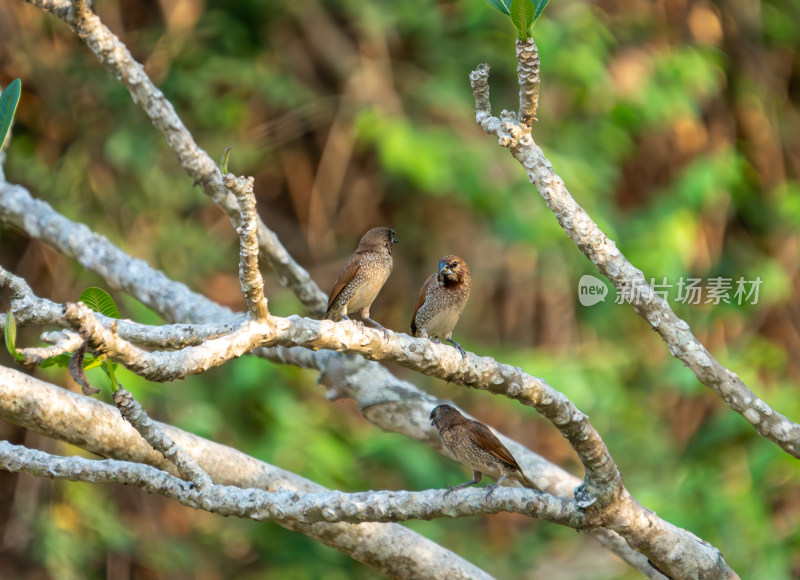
(100, 301)
(11, 336)
(539, 6)
(8, 106)
(522, 16)
(223, 164)
(501, 5)
(76, 370)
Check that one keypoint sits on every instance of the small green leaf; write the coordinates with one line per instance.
(501, 5)
(60, 360)
(530, 18)
(223, 163)
(522, 13)
(11, 336)
(8, 106)
(100, 301)
(539, 6)
(92, 362)
(109, 369)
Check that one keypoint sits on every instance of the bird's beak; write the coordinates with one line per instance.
(444, 269)
(392, 236)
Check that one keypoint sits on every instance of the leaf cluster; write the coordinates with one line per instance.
(523, 14)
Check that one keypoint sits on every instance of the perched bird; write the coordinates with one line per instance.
(441, 301)
(363, 276)
(476, 446)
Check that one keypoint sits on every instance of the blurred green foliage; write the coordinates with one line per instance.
(676, 129)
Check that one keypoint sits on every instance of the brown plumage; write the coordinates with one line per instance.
(363, 276)
(474, 445)
(442, 300)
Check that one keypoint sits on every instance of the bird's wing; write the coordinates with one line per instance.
(420, 302)
(485, 439)
(349, 272)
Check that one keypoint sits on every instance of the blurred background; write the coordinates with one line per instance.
(674, 123)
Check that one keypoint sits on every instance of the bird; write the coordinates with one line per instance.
(363, 276)
(442, 300)
(474, 445)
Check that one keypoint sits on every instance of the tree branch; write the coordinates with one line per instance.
(612, 264)
(99, 428)
(639, 531)
(249, 276)
(296, 506)
(597, 463)
(133, 413)
(604, 483)
(195, 162)
(528, 75)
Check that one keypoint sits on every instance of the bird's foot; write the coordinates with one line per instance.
(378, 326)
(452, 488)
(490, 489)
(458, 346)
(494, 486)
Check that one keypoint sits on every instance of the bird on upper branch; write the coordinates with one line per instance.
(442, 300)
(363, 277)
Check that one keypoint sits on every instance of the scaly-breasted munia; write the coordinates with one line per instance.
(474, 445)
(441, 301)
(363, 276)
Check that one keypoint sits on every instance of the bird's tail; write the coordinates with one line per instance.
(527, 482)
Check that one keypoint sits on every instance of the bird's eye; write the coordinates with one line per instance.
(453, 264)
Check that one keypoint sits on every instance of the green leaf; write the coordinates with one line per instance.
(60, 360)
(501, 5)
(109, 369)
(223, 164)
(11, 336)
(539, 6)
(522, 16)
(100, 301)
(8, 106)
(92, 362)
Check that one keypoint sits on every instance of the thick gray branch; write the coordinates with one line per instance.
(611, 263)
(98, 428)
(87, 27)
(604, 483)
(29, 309)
(677, 553)
(296, 506)
(172, 300)
(369, 374)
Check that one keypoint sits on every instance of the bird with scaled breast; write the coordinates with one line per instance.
(474, 445)
(363, 276)
(442, 300)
